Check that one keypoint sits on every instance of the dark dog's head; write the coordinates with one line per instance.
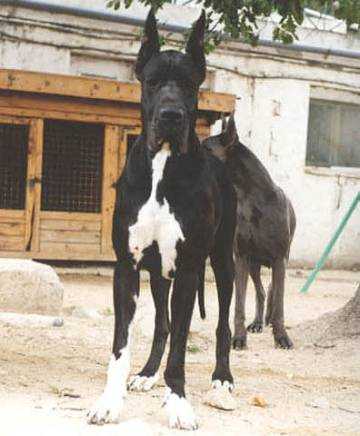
(221, 145)
(170, 82)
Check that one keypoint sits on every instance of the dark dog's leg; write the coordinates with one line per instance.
(223, 267)
(241, 279)
(179, 410)
(257, 325)
(126, 291)
(275, 307)
(147, 378)
(269, 304)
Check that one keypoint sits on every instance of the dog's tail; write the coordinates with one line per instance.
(201, 291)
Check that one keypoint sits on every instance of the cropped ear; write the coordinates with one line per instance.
(150, 44)
(230, 135)
(195, 45)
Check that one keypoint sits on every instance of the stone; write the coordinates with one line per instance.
(29, 287)
(30, 320)
(258, 401)
(85, 312)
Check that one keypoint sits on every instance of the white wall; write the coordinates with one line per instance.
(272, 117)
(272, 86)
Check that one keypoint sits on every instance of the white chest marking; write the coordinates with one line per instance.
(156, 223)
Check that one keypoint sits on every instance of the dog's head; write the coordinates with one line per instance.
(170, 82)
(221, 145)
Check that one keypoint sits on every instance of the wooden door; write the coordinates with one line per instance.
(20, 149)
(71, 190)
(118, 140)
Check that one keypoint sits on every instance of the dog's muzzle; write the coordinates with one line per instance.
(171, 115)
(169, 126)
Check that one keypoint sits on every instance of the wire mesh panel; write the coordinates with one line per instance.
(72, 166)
(13, 165)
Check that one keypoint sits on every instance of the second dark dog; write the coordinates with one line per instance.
(264, 231)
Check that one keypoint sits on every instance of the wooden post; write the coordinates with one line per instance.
(38, 125)
(110, 175)
(33, 186)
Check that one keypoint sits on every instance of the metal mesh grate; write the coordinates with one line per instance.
(72, 166)
(13, 165)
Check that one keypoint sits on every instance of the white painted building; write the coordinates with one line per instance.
(313, 155)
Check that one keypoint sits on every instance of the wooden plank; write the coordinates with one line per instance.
(30, 186)
(76, 226)
(14, 120)
(12, 214)
(59, 250)
(40, 106)
(75, 86)
(45, 103)
(110, 175)
(70, 237)
(70, 116)
(11, 243)
(70, 216)
(38, 126)
(12, 229)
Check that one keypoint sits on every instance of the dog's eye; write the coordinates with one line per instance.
(153, 83)
(187, 85)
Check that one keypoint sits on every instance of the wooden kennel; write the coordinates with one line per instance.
(63, 144)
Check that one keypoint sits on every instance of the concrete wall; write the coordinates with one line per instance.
(273, 88)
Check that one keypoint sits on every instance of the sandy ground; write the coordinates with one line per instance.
(50, 376)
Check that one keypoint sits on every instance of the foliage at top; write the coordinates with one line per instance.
(244, 18)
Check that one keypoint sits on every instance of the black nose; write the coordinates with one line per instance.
(171, 114)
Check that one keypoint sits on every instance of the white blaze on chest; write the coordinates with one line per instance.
(155, 222)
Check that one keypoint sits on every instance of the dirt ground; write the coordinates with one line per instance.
(50, 376)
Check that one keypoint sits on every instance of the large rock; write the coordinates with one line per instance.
(29, 287)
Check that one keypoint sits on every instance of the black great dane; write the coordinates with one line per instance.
(174, 207)
(265, 227)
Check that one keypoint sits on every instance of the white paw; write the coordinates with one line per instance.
(226, 385)
(179, 411)
(220, 396)
(142, 383)
(106, 409)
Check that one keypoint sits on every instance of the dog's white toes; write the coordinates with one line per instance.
(220, 395)
(217, 384)
(107, 409)
(180, 412)
(142, 383)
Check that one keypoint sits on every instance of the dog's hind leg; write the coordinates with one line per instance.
(241, 280)
(275, 307)
(179, 410)
(148, 376)
(257, 325)
(126, 290)
(223, 266)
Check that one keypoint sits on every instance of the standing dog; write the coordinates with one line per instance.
(174, 207)
(264, 230)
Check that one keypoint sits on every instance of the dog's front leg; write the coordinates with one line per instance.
(179, 410)
(148, 376)
(126, 290)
